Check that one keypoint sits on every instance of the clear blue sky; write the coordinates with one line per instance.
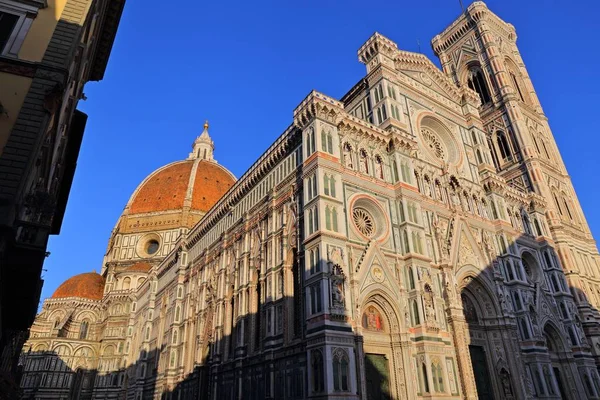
(245, 66)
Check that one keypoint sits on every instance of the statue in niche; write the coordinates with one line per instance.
(363, 164)
(348, 155)
(429, 306)
(379, 168)
(372, 319)
(337, 287)
(505, 382)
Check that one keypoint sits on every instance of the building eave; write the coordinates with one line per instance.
(107, 35)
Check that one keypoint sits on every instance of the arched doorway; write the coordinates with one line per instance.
(488, 356)
(554, 376)
(378, 323)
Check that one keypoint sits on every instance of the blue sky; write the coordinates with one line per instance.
(245, 66)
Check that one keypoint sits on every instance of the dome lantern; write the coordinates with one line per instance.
(203, 146)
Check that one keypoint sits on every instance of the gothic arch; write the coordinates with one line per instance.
(474, 77)
(381, 299)
(478, 288)
(554, 339)
(40, 347)
(65, 348)
(86, 315)
(516, 80)
(92, 352)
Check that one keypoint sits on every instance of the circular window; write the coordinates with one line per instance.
(433, 142)
(368, 218)
(148, 245)
(363, 221)
(152, 246)
(438, 141)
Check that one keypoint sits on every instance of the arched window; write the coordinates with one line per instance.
(503, 146)
(567, 208)
(555, 284)
(524, 329)
(573, 336)
(563, 311)
(317, 371)
(479, 157)
(425, 378)
(83, 330)
(326, 141)
(395, 171)
(416, 320)
(517, 87)
(126, 283)
(476, 81)
(411, 279)
(557, 203)
(340, 370)
(173, 359)
(493, 152)
(438, 378)
(547, 259)
(175, 338)
(405, 171)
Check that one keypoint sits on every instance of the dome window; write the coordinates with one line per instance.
(152, 246)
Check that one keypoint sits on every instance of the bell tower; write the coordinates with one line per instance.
(479, 50)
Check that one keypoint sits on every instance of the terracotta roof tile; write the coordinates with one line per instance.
(212, 181)
(166, 189)
(139, 267)
(89, 285)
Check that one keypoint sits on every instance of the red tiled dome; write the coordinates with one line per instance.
(89, 285)
(139, 267)
(166, 189)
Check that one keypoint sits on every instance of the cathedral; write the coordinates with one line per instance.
(418, 238)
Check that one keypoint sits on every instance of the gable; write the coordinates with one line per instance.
(427, 75)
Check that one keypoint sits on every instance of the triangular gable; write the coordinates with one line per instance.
(467, 52)
(465, 250)
(430, 75)
(376, 272)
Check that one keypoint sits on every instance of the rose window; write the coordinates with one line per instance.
(433, 142)
(363, 220)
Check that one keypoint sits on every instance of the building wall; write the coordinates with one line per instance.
(374, 250)
(49, 56)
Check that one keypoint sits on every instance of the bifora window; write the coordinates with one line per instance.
(476, 81)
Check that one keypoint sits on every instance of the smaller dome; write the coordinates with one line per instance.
(89, 285)
(139, 267)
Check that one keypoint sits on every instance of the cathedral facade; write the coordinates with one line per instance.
(418, 238)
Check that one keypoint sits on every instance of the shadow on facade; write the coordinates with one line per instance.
(518, 331)
(525, 330)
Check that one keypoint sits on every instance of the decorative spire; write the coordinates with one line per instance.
(203, 146)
